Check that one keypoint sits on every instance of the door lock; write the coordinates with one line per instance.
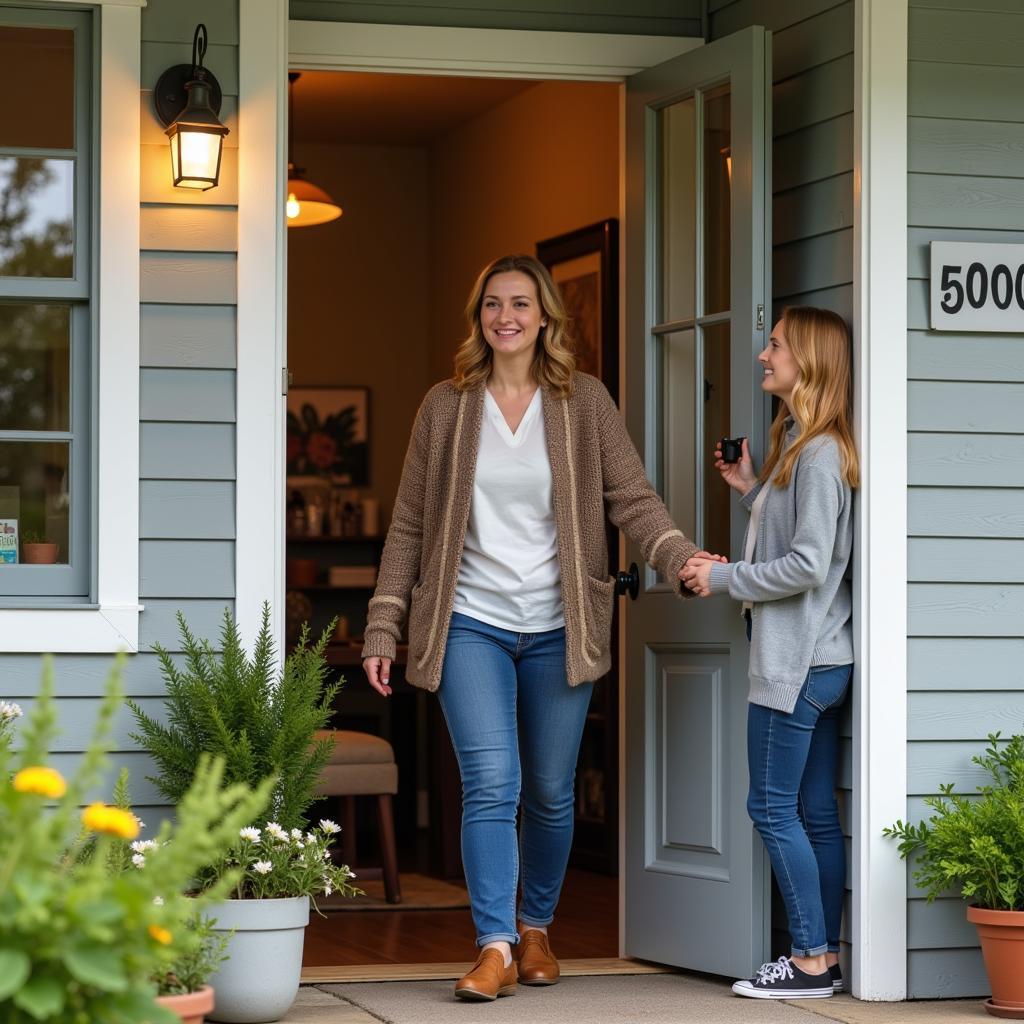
(628, 582)
(760, 316)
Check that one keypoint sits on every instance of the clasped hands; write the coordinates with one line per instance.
(696, 572)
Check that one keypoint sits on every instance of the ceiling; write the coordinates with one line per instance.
(366, 108)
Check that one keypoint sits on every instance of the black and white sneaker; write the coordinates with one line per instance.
(782, 979)
(837, 978)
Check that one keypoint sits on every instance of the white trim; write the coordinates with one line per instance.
(262, 265)
(114, 625)
(494, 53)
(880, 584)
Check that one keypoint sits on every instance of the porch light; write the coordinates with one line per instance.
(308, 204)
(188, 100)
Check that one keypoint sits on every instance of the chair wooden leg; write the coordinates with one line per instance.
(385, 813)
(348, 833)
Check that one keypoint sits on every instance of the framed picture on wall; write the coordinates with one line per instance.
(585, 266)
(328, 434)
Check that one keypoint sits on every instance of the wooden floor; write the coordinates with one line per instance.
(586, 927)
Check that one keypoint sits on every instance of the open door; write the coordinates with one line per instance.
(697, 266)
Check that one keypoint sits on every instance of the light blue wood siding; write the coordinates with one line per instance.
(965, 550)
(812, 182)
(641, 17)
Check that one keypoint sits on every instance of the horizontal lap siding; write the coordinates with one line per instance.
(965, 549)
(812, 182)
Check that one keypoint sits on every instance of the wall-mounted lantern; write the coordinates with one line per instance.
(188, 100)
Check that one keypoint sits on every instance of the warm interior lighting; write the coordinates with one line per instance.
(307, 204)
(727, 153)
(195, 156)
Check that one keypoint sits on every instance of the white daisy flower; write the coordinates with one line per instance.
(139, 821)
(138, 860)
(250, 833)
(310, 838)
(262, 867)
(297, 834)
(329, 826)
(142, 845)
(327, 887)
(158, 901)
(275, 831)
(9, 710)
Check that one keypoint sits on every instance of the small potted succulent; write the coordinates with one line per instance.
(37, 549)
(975, 845)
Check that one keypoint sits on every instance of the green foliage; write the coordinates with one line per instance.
(34, 537)
(975, 844)
(194, 967)
(259, 721)
(80, 942)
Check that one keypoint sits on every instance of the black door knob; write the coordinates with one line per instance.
(628, 582)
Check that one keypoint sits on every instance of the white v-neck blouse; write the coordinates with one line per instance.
(509, 575)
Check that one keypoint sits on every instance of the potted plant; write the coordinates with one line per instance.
(37, 549)
(81, 941)
(976, 845)
(261, 720)
(183, 985)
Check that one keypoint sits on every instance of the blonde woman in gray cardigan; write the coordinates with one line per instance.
(796, 596)
(497, 553)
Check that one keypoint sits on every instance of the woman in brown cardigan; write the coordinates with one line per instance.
(497, 553)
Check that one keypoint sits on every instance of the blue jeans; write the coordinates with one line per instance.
(516, 726)
(794, 766)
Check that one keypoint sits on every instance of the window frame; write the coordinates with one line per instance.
(108, 620)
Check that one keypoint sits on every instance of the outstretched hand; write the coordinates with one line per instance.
(696, 572)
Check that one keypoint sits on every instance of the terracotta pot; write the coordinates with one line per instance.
(1002, 945)
(38, 554)
(192, 1007)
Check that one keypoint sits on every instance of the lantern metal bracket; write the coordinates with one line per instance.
(170, 95)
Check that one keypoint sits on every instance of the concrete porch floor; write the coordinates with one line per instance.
(648, 999)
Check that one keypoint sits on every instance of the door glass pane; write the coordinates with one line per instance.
(717, 188)
(35, 367)
(34, 500)
(678, 210)
(678, 424)
(37, 81)
(716, 426)
(36, 237)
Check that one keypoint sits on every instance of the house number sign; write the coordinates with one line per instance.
(977, 286)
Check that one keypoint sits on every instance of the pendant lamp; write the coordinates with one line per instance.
(308, 204)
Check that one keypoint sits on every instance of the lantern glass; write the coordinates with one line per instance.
(195, 156)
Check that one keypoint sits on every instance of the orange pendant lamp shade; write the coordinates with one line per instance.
(307, 204)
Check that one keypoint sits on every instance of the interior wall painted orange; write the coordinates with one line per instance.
(357, 293)
(543, 163)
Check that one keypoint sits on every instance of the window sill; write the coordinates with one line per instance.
(70, 629)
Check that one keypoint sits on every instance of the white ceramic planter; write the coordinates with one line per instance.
(260, 979)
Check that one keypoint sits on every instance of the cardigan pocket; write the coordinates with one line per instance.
(601, 604)
(420, 615)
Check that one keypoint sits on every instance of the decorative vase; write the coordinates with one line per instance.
(191, 1007)
(38, 554)
(260, 979)
(1002, 945)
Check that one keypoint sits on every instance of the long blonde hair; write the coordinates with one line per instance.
(822, 399)
(553, 361)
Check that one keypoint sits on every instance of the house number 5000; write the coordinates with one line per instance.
(977, 287)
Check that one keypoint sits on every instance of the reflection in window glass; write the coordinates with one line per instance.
(716, 426)
(37, 66)
(36, 213)
(678, 212)
(717, 198)
(35, 367)
(679, 425)
(34, 497)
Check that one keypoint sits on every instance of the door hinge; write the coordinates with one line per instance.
(286, 380)
(760, 316)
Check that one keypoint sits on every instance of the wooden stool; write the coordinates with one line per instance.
(364, 765)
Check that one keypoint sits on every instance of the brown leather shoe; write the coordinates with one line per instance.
(537, 964)
(488, 978)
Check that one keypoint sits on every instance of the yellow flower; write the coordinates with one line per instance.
(41, 781)
(111, 820)
(162, 935)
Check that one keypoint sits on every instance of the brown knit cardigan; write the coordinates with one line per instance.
(593, 465)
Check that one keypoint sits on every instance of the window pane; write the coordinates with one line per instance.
(36, 213)
(34, 499)
(717, 187)
(37, 81)
(35, 367)
(716, 426)
(678, 213)
(678, 426)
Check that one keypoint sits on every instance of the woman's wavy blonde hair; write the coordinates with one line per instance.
(822, 399)
(553, 361)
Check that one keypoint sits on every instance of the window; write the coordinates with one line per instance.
(46, 307)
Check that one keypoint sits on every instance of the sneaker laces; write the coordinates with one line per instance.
(775, 970)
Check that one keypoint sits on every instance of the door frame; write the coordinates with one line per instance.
(270, 44)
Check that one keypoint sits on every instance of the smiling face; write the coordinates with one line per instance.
(511, 316)
(781, 372)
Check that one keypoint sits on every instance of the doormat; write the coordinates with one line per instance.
(419, 892)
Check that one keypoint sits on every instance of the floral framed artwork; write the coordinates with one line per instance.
(585, 266)
(328, 435)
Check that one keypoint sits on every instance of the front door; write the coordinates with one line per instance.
(697, 258)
